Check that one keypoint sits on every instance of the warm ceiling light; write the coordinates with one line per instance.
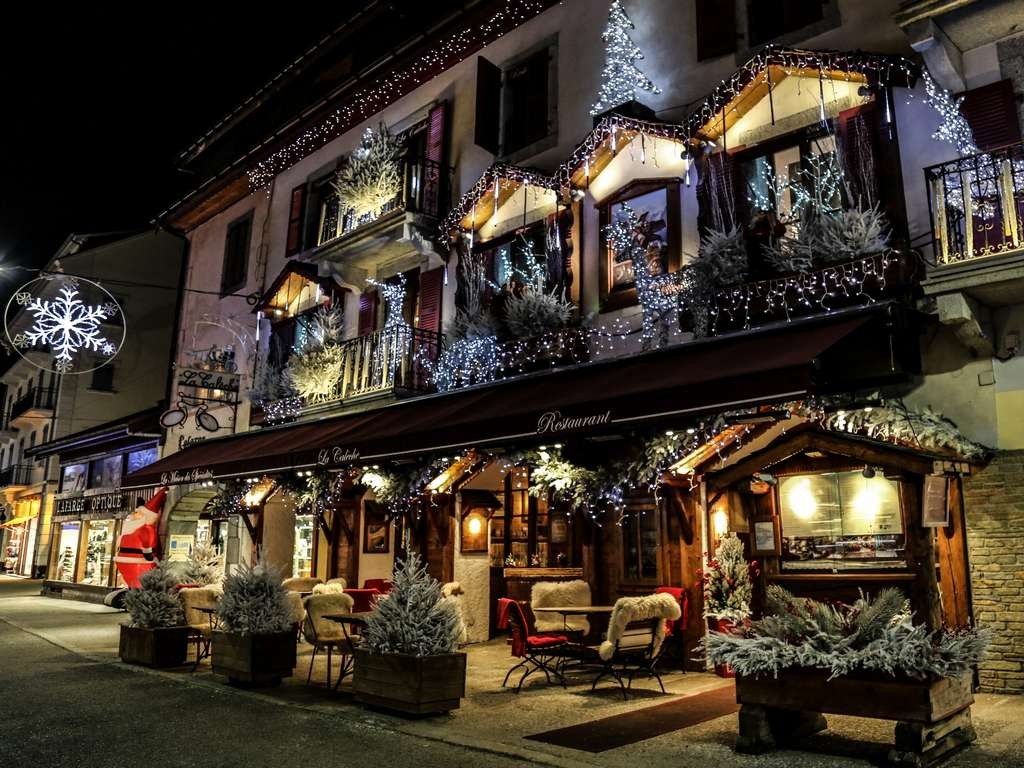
(801, 499)
(475, 525)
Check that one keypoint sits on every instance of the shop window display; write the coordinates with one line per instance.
(106, 472)
(74, 477)
(302, 560)
(98, 552)
(843, 520)
(142, 458)
(67, 551)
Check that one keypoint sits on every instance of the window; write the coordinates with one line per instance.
(106, 472)
(841, 520)
(517, 106)
(141, 458)
(99, 551)
(302, 556)
(769, 19)
(46, 432)
(326, 205)
(103, 378)
(640, 541)
(236, 255)
(66, 551)
(74, 477)
(716, 28)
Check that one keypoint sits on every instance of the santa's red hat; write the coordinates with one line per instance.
(156, 503)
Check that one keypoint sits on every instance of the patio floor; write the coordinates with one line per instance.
(498, 720)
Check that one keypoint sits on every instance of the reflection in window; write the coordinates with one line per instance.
(141, 458)
(640, 545)
(840, 519)
(74, 477)
(106, 472)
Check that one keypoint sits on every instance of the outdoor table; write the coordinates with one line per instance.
(576, 610)
(347, 620)
(211, 615)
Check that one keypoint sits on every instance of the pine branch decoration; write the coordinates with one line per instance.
(254, 601)
(155, 604)
(372, 177)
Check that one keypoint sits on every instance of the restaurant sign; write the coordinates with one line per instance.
(551, 422)
(200, 379)
(336, 455)
(196, 475)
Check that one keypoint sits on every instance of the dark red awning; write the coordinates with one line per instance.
(660, 386)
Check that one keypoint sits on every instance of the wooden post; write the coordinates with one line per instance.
(924, 589)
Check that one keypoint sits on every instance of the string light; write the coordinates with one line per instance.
(384, 91)
(488, 184)
(620, 77)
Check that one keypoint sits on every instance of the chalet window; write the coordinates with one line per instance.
(657, 205)
(841, 520)
(716, 28)
(103, 378)
(296, 209)
(991, 111)
(784, 180)
(236, 255)
(517, 106)
(640, 541)
(769, 19)
(323, 200)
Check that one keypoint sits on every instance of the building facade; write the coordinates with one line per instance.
(357, 335)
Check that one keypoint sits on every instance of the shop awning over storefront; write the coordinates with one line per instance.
(666, 386)
(21, 520)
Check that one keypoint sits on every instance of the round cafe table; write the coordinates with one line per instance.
(576, 610)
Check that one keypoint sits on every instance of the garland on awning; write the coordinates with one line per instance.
(490, 183)
(876, 68)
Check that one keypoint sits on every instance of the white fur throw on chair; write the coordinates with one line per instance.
(330, 588)
(630, 609)
(453, 591)
(559, 593)
(316, 628)
(301, 583)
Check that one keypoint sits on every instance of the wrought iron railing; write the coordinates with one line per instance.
(426, 190)
(16, 474)
(977, 204)
(43, 398)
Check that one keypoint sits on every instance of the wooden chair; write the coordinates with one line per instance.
(538, 653)
(324, 634)
(636, 630)
(674, 647)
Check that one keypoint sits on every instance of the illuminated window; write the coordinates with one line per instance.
(841, 520)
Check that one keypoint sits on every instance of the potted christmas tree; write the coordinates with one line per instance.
(256, 639)
(156, 636)
(727, 590)
(407, 661)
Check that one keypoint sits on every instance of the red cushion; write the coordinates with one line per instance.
(683, 598)
(362, 599)
(381, 585)
(545, 641)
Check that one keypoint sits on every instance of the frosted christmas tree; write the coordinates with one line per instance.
(620, 78)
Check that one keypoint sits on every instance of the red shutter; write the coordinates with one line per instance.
(295, 212)
(857, 152)
(488, 105)
(368, 301)
(991, 111)
(434, 174)
(431, 292)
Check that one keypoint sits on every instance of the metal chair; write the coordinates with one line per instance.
(324, 634)
(539, 653)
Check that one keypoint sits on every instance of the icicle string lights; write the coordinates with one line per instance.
(491, 183)
(384, 91)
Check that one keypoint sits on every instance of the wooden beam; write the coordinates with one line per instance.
(249, 525)
(924, 589)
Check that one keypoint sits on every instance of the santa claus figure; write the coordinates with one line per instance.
(136, 548)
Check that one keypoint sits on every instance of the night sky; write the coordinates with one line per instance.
(98, 101)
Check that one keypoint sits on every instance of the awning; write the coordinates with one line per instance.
(18, 520)
(667, 385)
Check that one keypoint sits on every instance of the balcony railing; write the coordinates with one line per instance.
(977, 204)
(390, 361)
(425, 190)
(37, 398)
(16, 474)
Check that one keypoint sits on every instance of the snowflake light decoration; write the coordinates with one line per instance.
(66, 324)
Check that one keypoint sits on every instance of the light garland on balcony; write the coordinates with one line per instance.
(384, 91)
(281, 411)
(953, 126)
(490, 184)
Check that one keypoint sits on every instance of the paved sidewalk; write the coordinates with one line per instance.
(491, 718)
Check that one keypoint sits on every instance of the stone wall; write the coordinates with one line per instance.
(994, 504)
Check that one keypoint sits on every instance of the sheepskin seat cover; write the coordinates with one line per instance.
(559, 593)
(316, 627)
(453, 591)
(296, 613)
(630, 609)
(300, 584)
(193, 598)
(330, 588)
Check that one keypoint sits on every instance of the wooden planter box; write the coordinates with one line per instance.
(415, 685)
(262, 659)
(885, 698)
(159, 648)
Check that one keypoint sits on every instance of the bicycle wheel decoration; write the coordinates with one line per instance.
(76, 322)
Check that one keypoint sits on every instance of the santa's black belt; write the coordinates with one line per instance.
(131, 551)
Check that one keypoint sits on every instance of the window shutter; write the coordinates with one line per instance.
(716, 28)
(488, 106)
(368, 312)
(857, 154)
(991, 111)
(434, 173)
(295, 212)
(431, 292)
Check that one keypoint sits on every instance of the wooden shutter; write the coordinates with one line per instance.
(431, 292)
(434, 172)
(857, 154)
(368, 301)
(716, 28)
(486, 133)
(991, 111)
(295, 211)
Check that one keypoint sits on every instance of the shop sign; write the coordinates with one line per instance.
(97, 500)
(200, 379)
(189, 476)
(184, 441)
(336, 455)
(553, 421)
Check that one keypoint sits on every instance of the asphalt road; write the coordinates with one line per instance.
(58, 709)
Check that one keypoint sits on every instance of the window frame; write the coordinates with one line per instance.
(659, 526)
(227, 287)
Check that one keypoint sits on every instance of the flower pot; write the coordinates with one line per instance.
(415, 685)
(259, 659)
(159, 648)
(726, 627)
